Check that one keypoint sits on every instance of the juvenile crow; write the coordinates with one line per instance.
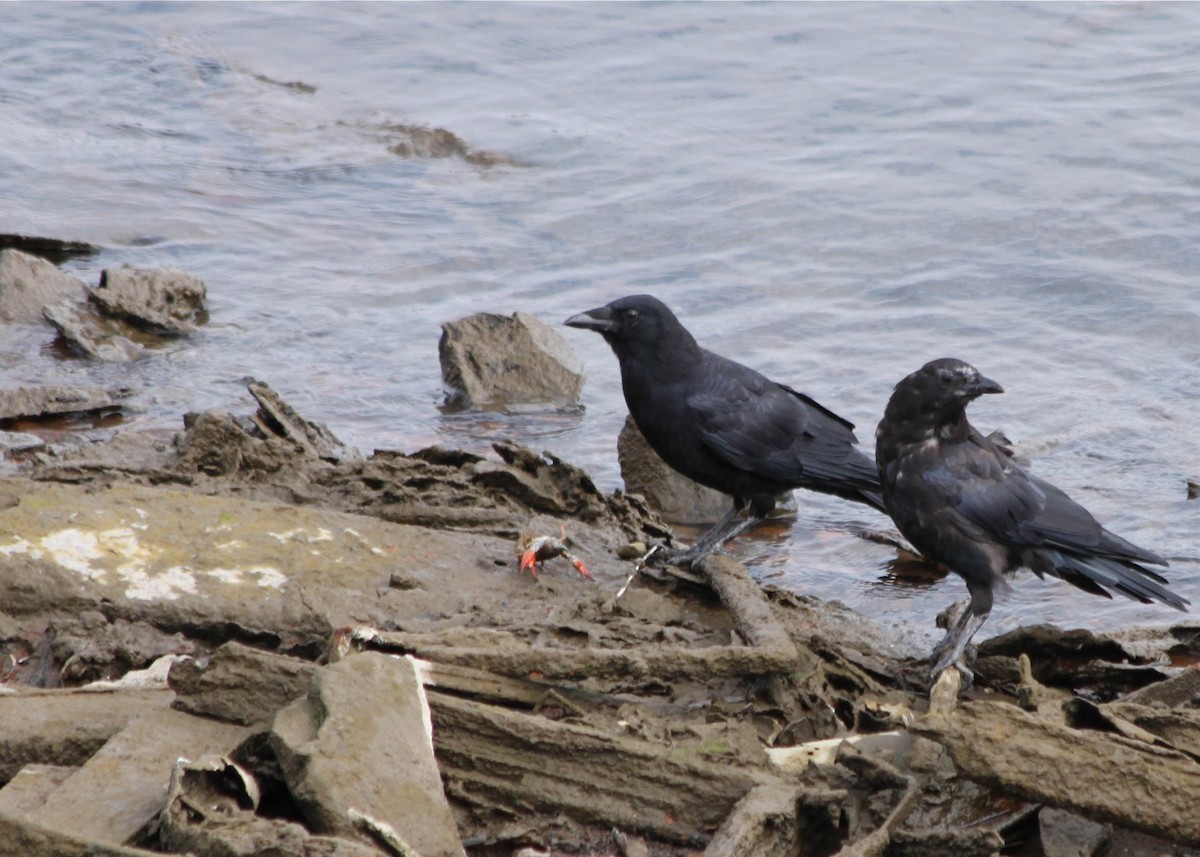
(724, 425)
(965, 503)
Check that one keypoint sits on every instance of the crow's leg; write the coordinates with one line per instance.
(720, 533)
(951, 651)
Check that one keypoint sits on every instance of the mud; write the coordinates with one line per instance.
(276, 574)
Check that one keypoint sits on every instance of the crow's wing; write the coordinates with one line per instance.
(1026, 512)
(769, 430)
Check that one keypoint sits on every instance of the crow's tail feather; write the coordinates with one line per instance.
(1102, 575)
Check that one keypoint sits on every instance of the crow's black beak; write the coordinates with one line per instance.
(983, 385)
(599, 319)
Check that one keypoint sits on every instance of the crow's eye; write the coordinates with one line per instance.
(631, 315)
(946, 377)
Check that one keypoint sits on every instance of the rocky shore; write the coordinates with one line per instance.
(244, 638)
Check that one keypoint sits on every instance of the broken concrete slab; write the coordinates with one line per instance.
(239, 684)
(28, 284)
(495, 361)
(121, 788)
(30, 787)
(32, 840)
(64, 727)
(161, 299)
(362, 740)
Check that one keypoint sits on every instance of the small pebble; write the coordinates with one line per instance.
(633, 550)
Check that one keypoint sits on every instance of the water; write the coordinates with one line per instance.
(832, 193)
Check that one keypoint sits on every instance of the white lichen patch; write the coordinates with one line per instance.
(163, 585)
(299, 534)
(118, 556)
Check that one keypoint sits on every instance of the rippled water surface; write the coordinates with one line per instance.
(832, 193)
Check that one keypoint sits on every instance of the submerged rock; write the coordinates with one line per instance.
(494, 361)
(163, 300)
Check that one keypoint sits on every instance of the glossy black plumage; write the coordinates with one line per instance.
(964, 502)
(723, 424)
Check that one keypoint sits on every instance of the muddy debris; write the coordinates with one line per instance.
(239, 639)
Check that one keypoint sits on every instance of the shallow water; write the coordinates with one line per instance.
(832, 193)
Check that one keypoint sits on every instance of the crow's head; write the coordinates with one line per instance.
(938, 392)
(637, 323)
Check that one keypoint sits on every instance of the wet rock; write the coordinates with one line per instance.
(674, 496)
(1064, 834)
(494, 361)
(120, 789)
(362, 740)
(162, 299)
(92, 335)
(54, 250)
(1193, 490)
(29, 284)
(25, 403)
(239, 684)
(421, 141)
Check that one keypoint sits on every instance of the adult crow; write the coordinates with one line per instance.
(965, 503)
(724, 425)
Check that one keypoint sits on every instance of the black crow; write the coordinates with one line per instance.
(965, 503)
(724, 425)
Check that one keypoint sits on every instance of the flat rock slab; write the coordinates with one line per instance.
(30, 788)
(124, 785)
(64, 727)
(180, 561)
(362, 741)
(28, 402)
(28, 284)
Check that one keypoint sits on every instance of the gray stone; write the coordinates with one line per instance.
(92, 335)
(1065, 834)
(678, 499)
(30, 787)
(123, 786)
(493, 361)
(28, 284)
(165, 299)
(361, 744)
(28, 402)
